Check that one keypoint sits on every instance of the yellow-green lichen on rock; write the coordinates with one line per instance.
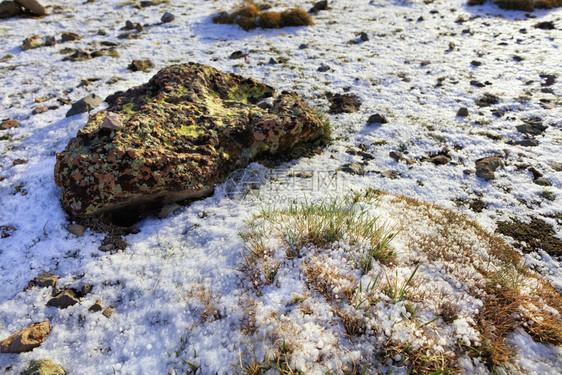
(182, 132)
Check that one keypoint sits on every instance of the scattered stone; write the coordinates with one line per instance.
(440, 159)
(108, 312)
(272, 61)
(323, 68)
(76, 229)
(85, 104)
(44, 280)
(377, 118)
(78, 55)
(237, 55)
(533, 128)
(363, 36)
(50, 41)
(556, 166)
(425, 63)
(476, 83)
(149, 3)
(303, 46)
(102, 32)
(364, 155)
(140, 65)
(318, 6)
(85, 290)
(542, 182)
(9, 9)
(462, 112)
(486, 167)
(545, 25)
(64, 299)
(535, 235)
(129, 25)
(549, 79)
(31, 43)
(343, 103)
(167, 17)
(396, 156)
(43, 367)
(391, 174)
(112, 121)
(19, 161)
(476, 63)
(33, 6)
(39, 110)
(498, 112)
(9, 123)
(69, 36)
(113, 243)
(353, 168)
(96, 307)
(172, 148)
(487, 100)
(27, 339)
(527, 142)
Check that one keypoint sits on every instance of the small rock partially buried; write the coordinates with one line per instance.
(27, 339)
(85, 104)
(486, 167)
(64, 299)
(184, 131)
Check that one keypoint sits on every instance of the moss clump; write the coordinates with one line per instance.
(524, 5)
(538, 234)
(250, 16)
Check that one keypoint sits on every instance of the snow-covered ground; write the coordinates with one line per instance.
(416, 69)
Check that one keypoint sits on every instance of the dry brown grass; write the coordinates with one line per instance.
(270, 20)
(523, 5)
(420, 361)
(249, 15)
(324, 280)
(209, 302)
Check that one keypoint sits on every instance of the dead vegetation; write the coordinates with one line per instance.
(250, 15)
(523, 5)
(327, 245)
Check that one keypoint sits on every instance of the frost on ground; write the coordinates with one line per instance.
(420, 289)
(178, 295)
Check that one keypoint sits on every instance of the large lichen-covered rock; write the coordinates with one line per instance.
(180, 134)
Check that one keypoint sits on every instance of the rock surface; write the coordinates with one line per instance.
(9, 9)
(43, 367)
(183, 132)
(27, 339)
(85, 104)
(33, 6)
(64, 299)
(485, 167)
(45, 280)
